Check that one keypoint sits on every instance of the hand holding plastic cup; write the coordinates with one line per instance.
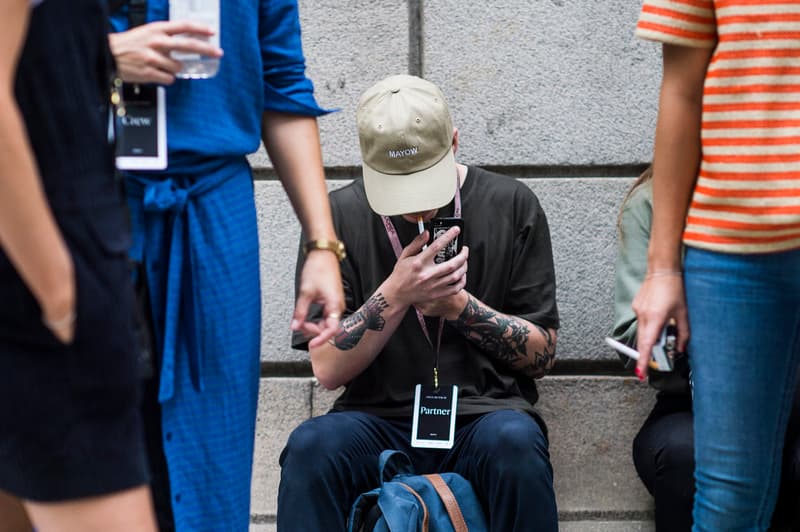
(205, 12)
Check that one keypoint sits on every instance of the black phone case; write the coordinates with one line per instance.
(440, 226)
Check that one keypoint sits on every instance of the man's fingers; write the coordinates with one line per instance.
(328, 329)
(439, 243)
(458, 285)
(415, 246)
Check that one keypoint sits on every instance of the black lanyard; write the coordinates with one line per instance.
(391, 232)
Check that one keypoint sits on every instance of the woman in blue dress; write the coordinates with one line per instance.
(194, 228)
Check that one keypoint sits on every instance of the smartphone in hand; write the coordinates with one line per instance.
(439, 226)
(664, 352)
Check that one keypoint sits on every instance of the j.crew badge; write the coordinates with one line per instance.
(142, 128)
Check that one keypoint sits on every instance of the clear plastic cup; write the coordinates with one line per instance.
(206, 12)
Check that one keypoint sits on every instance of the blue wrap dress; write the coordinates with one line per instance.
(194, 228)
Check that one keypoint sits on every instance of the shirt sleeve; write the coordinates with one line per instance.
(286, 87)
(631, 263)
(681, 22)
(532, 293)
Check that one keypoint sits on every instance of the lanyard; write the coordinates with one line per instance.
(391, 232)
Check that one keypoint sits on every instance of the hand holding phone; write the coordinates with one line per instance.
(439, 226)
(663, 357)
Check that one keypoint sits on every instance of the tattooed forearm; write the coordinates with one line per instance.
(495, 333)
(505, 337)
(542, 362)
(355, 325)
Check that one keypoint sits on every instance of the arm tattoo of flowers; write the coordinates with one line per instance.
(355, 325)
(505, 338)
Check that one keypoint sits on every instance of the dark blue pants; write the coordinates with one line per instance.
(330, 460)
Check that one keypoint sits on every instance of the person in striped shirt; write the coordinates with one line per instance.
(727, 185)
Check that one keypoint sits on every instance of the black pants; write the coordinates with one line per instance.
(329, 460)
(663, 453)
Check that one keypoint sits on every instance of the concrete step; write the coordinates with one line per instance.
(564, 526)
(592, 422)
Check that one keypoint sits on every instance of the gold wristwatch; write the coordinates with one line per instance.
(336, 246)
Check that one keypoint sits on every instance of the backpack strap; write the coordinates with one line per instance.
(392, 463)
(421, 503)
(450, 502)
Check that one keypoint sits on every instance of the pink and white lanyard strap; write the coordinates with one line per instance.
(391, 232)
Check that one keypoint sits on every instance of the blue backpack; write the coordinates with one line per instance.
(406, 502)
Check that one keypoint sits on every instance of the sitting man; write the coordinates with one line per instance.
(489, 330)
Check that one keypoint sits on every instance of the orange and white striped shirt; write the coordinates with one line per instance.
(747, 195)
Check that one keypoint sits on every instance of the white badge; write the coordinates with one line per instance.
(434, 423)
(142, 130)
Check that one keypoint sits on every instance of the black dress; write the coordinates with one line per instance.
(69, 416)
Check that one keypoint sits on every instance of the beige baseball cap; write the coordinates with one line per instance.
(406, 138)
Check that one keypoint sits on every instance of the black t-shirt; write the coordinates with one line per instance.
(510, 269)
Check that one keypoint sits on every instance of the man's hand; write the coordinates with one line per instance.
(448, 307)
(143, 53)
(417, 279)
(320, 282)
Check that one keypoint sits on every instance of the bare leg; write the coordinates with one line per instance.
(12, 515)
(125, 511)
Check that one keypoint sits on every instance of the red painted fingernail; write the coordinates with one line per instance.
(639, 374)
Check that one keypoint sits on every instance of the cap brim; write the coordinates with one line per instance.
(391, 195)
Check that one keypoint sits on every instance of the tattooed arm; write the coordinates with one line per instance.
(524, 346)
(415, 279)
(361, 336)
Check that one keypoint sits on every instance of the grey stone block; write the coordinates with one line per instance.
(322, 399)
(282, 405)
(544, 82)
(582, 216)
(279, 238)
(269, 527)
(606, 526)
(349, 45)
(592, 423)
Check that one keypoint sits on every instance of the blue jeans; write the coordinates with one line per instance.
(329, 460)
(744, 314)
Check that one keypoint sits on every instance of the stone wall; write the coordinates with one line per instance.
(556, 93)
